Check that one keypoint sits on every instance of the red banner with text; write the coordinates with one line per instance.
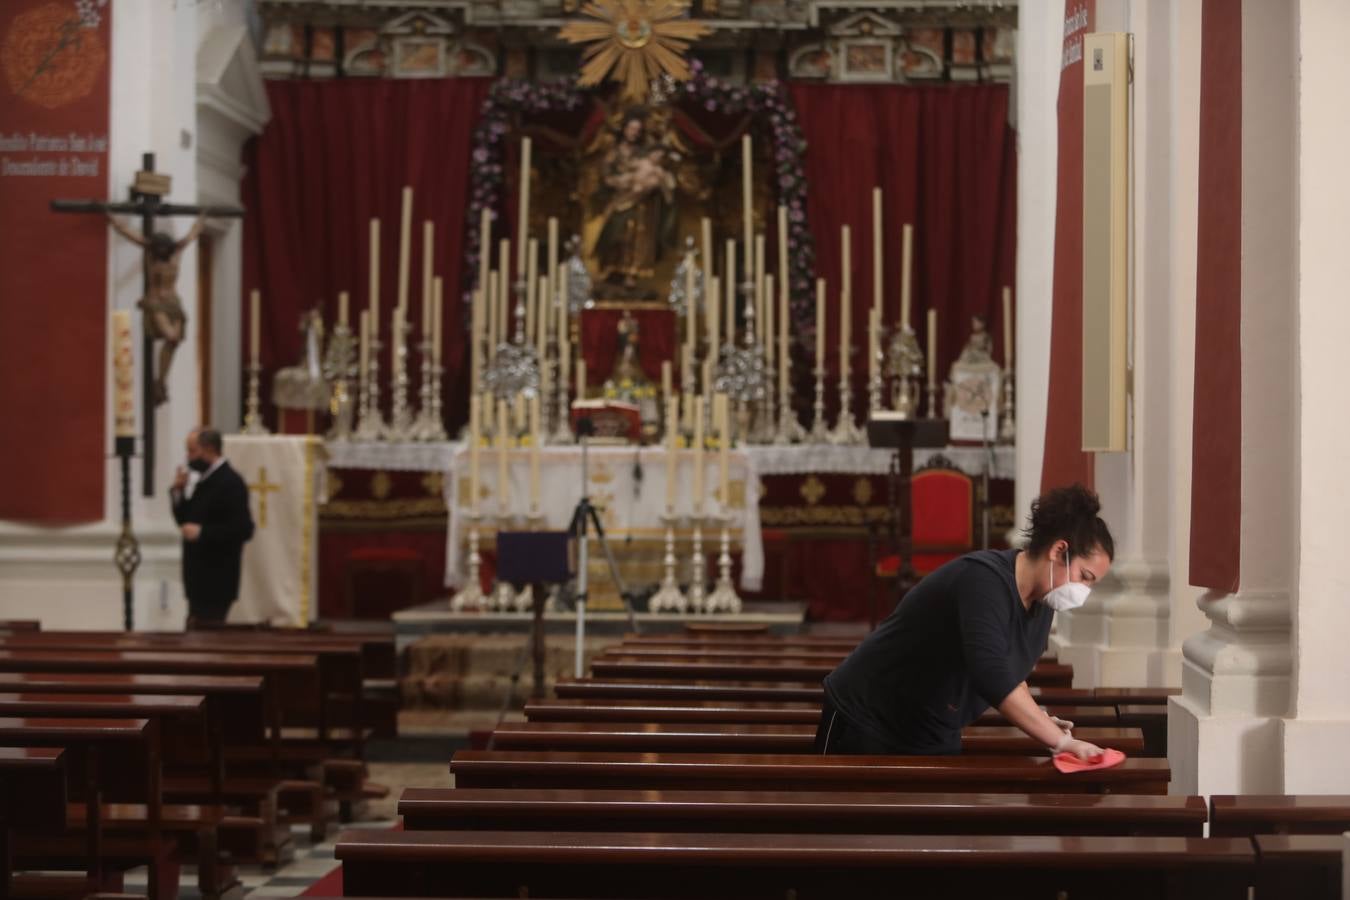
(54, 101)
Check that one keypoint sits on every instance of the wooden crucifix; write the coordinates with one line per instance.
(162, 312)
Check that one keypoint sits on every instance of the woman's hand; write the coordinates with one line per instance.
(1081, 749)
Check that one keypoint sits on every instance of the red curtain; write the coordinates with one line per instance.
(656, 335)
(334, 155)
(945, 159)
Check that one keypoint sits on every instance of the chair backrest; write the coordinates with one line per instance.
(943, 504)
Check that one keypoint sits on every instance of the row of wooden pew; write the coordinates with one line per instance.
(120, 750)
(682, 768)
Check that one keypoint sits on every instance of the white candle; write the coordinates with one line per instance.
(552, 250)
(784, 358)
(873, 341)
(1007, 329)
(522, 225)
(759, 285)
(672, 444)
(564, 347)
(535, 440)
(932, 346)
(475, 340)
(503, 476)
(747, 199)
(394, 337)
(665, 379)
(820, 324)
(845, 333)
(581, 378)
(365, 345)
(475, 436)
(437, 311)
(504, 291)
(374, 279)
(124, 376)
(484, 247)
(707, 376)
(254, 313)
(691, 312)
(531, 287)
(724, 448)
(877, 276)
(404, 250)
(906, 268)
(731, 293)
(541, 321)
(770, 338)
(342, 307)
(709, 295)
(846, 259)
(428, 257)
(713, 297)
(490, 316)
(698, 455)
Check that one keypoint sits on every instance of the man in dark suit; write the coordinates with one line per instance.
(215, 520)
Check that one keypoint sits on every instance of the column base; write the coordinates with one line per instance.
(1222, 754)
(1122, 636)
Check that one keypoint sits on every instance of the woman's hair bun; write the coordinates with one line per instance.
(1068, 514)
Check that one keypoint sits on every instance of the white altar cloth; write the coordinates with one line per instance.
(801, 459)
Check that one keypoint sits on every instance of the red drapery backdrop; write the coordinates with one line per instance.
(335, 155)
(945, 159)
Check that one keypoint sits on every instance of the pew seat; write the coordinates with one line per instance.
(803, 866)
(1299, 866)
(818, 812)
(1248, 815)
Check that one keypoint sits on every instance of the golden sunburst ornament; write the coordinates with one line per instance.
(633, 42)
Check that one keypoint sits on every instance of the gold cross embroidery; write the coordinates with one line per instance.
(262, 489)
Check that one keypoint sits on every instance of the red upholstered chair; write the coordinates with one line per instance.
(942, 499)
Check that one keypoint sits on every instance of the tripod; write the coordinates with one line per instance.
(584, 517)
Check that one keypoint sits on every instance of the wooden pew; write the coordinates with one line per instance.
(1299, 866)
(33, 798)
(1247, 815)
(731, 711)
(705, 771)
(691, 737)
(745, 866)
(814, 812)
(784, 669)
(113, 760)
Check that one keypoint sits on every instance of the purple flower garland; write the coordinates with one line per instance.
(771, 111)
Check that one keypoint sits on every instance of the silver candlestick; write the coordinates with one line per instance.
(252, 417)
(933, 412)
(698, 566)
(370, 425)
(820, 433)
(400, 415)
(1007, 431)
(669, 597)
(471, 596)
(904, 365)
(435, 419)
(421, 426)
(339, 367)
(846, 430)
(724, 597)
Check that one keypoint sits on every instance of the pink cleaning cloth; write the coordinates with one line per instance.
(1067, 762)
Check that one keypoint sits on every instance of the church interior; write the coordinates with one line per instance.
(481, 443)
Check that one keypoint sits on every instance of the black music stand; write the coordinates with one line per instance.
(535, 558)
(888, 429)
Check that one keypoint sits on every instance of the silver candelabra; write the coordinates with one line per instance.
(252, 417)
(370, 425)
(669, 598)
(698, 566)
(724, 597)
(471, 596)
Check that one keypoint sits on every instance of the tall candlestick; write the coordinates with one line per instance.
(342, 307)
(536, 439)
(254, 313)
(747, 200)
(846, 259)
(523, 219)
(709, 296)
(932, 347)
(766, 325)
(698, 455)
(365, 346)
(490, 316)
(731, 293)
(437, 310)
(876, 250)
(531, 286)
(541, 323)
(374, 289)
(758, 279)
(428, 258)
(708, 377)
(873, 342)
(784, 358)
(723, 414)
(782, 246)
(845, 333)
(820, 324)
(475, 340)
(404, 250)
(665, 379)
(124, 376)
(906, 270)
(581, 378)
(552, 250)
(1007, 329)
(713, 297)
(504, 291)
(395, 339)
(672, 444)
(503, 475)
(475, 451)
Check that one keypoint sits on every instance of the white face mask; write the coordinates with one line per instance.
(1069, 595)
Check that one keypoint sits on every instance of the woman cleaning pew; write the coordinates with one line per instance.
(966, 637)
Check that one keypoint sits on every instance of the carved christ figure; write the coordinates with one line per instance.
(163, 314)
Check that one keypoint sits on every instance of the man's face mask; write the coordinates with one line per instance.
(198, 465)
(1069, 595)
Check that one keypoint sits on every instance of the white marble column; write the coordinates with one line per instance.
(1316, 735)
(1223, 733)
